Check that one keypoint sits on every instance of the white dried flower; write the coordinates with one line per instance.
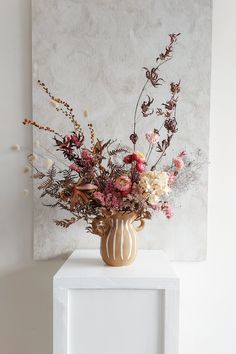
(36, 143)
(26, 192)
(154, 184)
(47, 163)
(15, 147)
(33, 157)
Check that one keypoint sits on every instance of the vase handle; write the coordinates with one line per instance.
(100, 226)
(140, 226)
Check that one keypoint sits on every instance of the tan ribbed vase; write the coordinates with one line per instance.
(118, 238)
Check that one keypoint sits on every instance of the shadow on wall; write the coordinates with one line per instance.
(26, 307)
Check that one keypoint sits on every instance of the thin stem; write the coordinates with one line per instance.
(59, 160)
(150, 153)
(163, 62)
(161, 126)
(155, 165)
(136, 109)
(149, 147)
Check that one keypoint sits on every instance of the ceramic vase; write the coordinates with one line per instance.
(118, 237)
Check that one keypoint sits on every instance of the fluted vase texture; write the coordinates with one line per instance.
(118, 238)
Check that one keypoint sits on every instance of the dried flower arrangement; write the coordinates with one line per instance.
(93, 185)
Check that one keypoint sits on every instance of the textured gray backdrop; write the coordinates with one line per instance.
(91, 53)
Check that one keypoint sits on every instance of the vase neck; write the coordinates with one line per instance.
(126, 216)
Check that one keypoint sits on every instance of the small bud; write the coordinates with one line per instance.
(36, 143)
(54, 103)
(134, 138)
(26, 192)
(15, 147)
(32, 157)
(27, 169)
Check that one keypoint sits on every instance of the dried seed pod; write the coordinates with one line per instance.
(15, 147)
(134, 138)
(27, 169)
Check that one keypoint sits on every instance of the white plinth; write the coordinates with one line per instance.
(124, 310)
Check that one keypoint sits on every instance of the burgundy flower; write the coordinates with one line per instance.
(128, 159)
(169, 49)
(65, 147)
(153, 76)
(175, 88)
(173, 37)
(171, 125)
(171, 104)
(86, 155)
(146, 107)
(134, 138)
(167, 54)
(77, 139)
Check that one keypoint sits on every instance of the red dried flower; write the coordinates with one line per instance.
(128, 159)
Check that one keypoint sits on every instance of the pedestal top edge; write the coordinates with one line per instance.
(88, 264)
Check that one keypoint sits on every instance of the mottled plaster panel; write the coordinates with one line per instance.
(91, 54)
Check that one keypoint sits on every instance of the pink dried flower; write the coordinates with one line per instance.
(140, 167)
(76, 139)
(100, 197)
(109, 187)
(112, 201)
(139, 157)
(86, 155)
(123, 183)
(167, 210)
(182, 154)
(74, 167)
(152, 137)
(172, 178)
(179, 163)
(156, 207)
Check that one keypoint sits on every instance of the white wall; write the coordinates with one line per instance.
(208, 289)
